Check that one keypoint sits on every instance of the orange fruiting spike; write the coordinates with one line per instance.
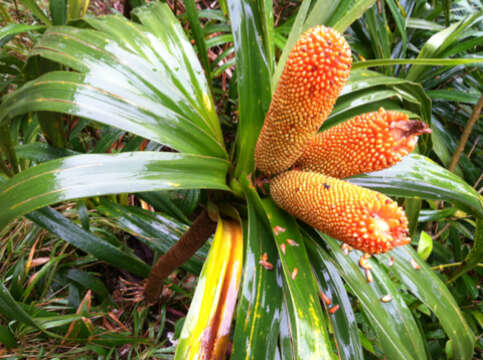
(364, 219)
(316, 70)
(368, 142)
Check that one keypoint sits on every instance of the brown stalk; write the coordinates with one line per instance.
(192, 240)
(466, 134)
(464, 139)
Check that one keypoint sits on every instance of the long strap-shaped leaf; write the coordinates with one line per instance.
(207, 326)
(429, 288)
(393, 344)
(474, 256)
(260, 303)
(12, 311)
(171, 52)
(343, 320)
(92, 175)
(253, 78)
(419, 176)
(111, 104)
(309, 328)
(440, 41)
(139, 78)
(59, 225)
(365, 90)
(159, 232)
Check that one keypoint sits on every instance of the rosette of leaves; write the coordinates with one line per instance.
(142, 84)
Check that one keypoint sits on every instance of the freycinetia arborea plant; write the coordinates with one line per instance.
(308, 166)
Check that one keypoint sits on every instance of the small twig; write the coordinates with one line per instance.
(439, 233)
(474, 146)
(466, 134)
(478, 181)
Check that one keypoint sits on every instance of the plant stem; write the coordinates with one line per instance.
(439, 233)
(466, 134)
(192, 240)
(450, 265)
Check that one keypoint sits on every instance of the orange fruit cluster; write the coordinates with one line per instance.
(316, 71)
(314, 75)
(364, 219)
(368, 142)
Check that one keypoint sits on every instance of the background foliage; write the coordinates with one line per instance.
(119, 121)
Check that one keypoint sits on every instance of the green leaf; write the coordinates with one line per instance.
(43, 272)
(195, 25)
(266, 10)
(36, 11)
(14, 29)
(379, 32)
(368, 91)
(310, 336)
(253, 78)
(353, 14)
(343, 320)
(260, 300)
(165, 202)
(425, 245)
(400, 20)
(353, 102)
(404, 323)
(475, 255)
(287, 351)
(422, 24)
(420, 61)
(454, 95)
(93, 175)
(58, 11)
(76, 9)
(159, 232)
(177, 59)
(428, 288)
(436, 215)
(12, 311)
(59, 225)
(412, 207)
(88, 281)
(295, 32)
(7, 338)
(440, 41)
(418, 176)
(145, 79)
(386, 320)
(444, 144)
(42, 152)
(322, 12)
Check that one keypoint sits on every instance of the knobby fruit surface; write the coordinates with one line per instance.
(365, 143)
(364, 219)
(315, 72)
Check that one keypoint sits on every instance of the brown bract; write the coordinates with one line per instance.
(364, 219)
(365, 143)
(315, 72)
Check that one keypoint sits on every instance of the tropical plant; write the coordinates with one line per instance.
(107, 107)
